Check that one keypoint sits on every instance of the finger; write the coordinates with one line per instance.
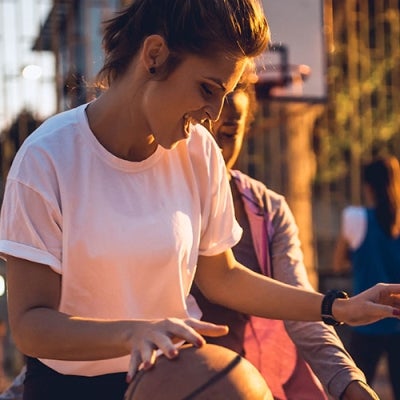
(166, 345)
(396, 312)
(395, 300)
(207, 328)
(148, 354)
(178, 329)
(374, 312)
(134, 364)
(387, 292)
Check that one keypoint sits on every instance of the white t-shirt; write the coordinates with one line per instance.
(124, 235)
(354, 225)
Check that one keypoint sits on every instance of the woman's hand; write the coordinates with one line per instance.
(162, 335)
(380, 301)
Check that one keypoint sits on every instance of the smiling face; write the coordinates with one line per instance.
(229, 130)
(194, 91)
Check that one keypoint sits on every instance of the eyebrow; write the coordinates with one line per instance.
(218, 82)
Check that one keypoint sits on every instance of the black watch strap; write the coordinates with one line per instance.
(326, 307)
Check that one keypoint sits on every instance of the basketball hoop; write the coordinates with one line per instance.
(275, 76)
(294, 66)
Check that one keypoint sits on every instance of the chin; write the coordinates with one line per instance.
(169, 146)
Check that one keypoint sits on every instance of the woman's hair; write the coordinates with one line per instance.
(200, 27)
(383, 177)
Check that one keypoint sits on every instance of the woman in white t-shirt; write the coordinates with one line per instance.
(369, 244)
(113, 208)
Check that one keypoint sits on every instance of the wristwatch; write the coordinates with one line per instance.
(326, 306)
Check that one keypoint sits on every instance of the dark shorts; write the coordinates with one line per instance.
(43, 383)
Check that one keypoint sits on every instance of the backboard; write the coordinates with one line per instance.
(294, 68)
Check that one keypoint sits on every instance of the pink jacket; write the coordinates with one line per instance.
(273, 346)
(267, 343)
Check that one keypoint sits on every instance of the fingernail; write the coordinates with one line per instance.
(173, 353)
(147, 365)
(128, 378)
(198, 343)
(396, 312)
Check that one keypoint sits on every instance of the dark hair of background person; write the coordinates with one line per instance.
(383, 177)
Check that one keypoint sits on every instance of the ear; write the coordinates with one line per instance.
(155, 52)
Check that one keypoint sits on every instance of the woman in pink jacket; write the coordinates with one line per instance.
(270, 245)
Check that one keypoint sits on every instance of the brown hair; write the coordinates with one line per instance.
(383, 177)
(233, 27)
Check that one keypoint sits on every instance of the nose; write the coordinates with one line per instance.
(213, 110)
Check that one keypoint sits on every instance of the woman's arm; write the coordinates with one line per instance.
(225, 281)
(40, 330)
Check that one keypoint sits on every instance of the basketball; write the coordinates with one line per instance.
(207, 373)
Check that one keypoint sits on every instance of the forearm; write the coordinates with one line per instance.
(250, 293)
(46, 333)
(323, 350)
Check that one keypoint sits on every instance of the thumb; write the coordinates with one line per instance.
(207, 328)
(374, 312)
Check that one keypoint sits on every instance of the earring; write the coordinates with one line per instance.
(152, 70)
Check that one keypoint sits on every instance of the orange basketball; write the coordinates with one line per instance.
(207, 373)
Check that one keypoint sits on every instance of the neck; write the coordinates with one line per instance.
(120, 128)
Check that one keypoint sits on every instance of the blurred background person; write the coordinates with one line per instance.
(270, 245)
(369, 247)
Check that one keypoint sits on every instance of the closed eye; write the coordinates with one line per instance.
(206, 89)
(228, 133)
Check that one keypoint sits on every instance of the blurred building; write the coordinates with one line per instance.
(73, 32)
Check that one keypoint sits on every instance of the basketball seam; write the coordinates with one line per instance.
(214, 379)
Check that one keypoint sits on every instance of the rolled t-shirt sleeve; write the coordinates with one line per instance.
(30, 225)
(220, 230)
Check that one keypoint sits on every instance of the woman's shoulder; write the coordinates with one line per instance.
(247, 181)
(54, 131)
(201, 139)
(354, 225)
(48, 142)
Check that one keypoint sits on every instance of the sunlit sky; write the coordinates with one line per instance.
(19, 25)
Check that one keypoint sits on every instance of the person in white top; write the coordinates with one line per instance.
(369, 244)
(112, 209)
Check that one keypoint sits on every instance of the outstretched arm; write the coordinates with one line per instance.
(225, 281)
